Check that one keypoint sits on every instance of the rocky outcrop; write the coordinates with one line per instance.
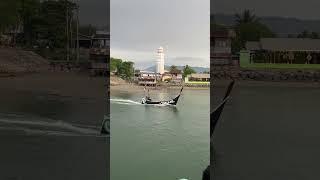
(234, 72)
(280, 75)
(15, 61)
(224, 72)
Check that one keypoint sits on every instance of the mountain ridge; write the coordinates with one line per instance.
(167, 67)
(282, 26)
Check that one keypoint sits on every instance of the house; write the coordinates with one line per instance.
(84, 41)
(100, 39)
(166, 77)
(221, 53)
(285, 50)
(174, 76)
(146, 78)
(197, 79)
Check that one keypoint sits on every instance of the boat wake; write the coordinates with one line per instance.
(131, 102)
(48, 128)
(125, 102)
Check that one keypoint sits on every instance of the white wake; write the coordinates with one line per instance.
(49, 128)
(125, 102)
(131, 102)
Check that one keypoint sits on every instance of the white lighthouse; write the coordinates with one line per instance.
(160, 61)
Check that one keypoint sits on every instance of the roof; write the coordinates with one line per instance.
(83, 37)
(223, 33)
(101, 36)
(147, 72)
(253, 45)
(290, 44)
(199, 75)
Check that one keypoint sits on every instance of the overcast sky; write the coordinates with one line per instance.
(302, 9)
(95, 12)
(139, 27)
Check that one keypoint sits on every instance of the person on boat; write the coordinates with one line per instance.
(147, 97)
(148, 100)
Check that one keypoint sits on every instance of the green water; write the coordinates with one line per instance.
(267, 131)
(159, 143)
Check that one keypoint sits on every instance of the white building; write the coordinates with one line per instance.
(160, 61)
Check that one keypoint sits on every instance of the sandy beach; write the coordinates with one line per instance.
(136, 88)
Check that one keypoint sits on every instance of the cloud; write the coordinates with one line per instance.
(95, 12)
(139, 27)
(307, 9)
(192, 61)
(144, 59)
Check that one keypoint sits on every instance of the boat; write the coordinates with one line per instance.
(174, 101)
(214, 118)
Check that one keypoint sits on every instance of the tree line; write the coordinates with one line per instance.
(125, 69)
(305, 34)
(187, 70)
(247, 27)
(43, 23)
(121, 68)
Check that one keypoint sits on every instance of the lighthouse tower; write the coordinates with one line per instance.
(160, 61)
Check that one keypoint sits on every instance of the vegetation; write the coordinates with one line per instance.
(174, 69)
(248, 28)
(246, 17)
(187, 70)
(121, 68)
(306, 34)
(43, 24)
(8, 14)
(115, 64)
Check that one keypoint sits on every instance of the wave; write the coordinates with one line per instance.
(131, 102)
(125, 101)
(49, 128)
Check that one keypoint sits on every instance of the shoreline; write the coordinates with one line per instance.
(253, 83)
(136, 88)
(127, 87)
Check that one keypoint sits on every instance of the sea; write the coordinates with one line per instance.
(268, 130)
(159, 142)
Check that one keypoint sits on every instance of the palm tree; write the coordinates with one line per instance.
(187, 70)
(245, 17)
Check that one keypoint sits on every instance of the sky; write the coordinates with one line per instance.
(306, 9)
(181, 27)
(95, 12)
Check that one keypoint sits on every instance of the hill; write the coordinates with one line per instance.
(282, 26)
(166, 67)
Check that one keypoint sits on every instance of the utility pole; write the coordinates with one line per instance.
(67, 18)
(78, 50)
